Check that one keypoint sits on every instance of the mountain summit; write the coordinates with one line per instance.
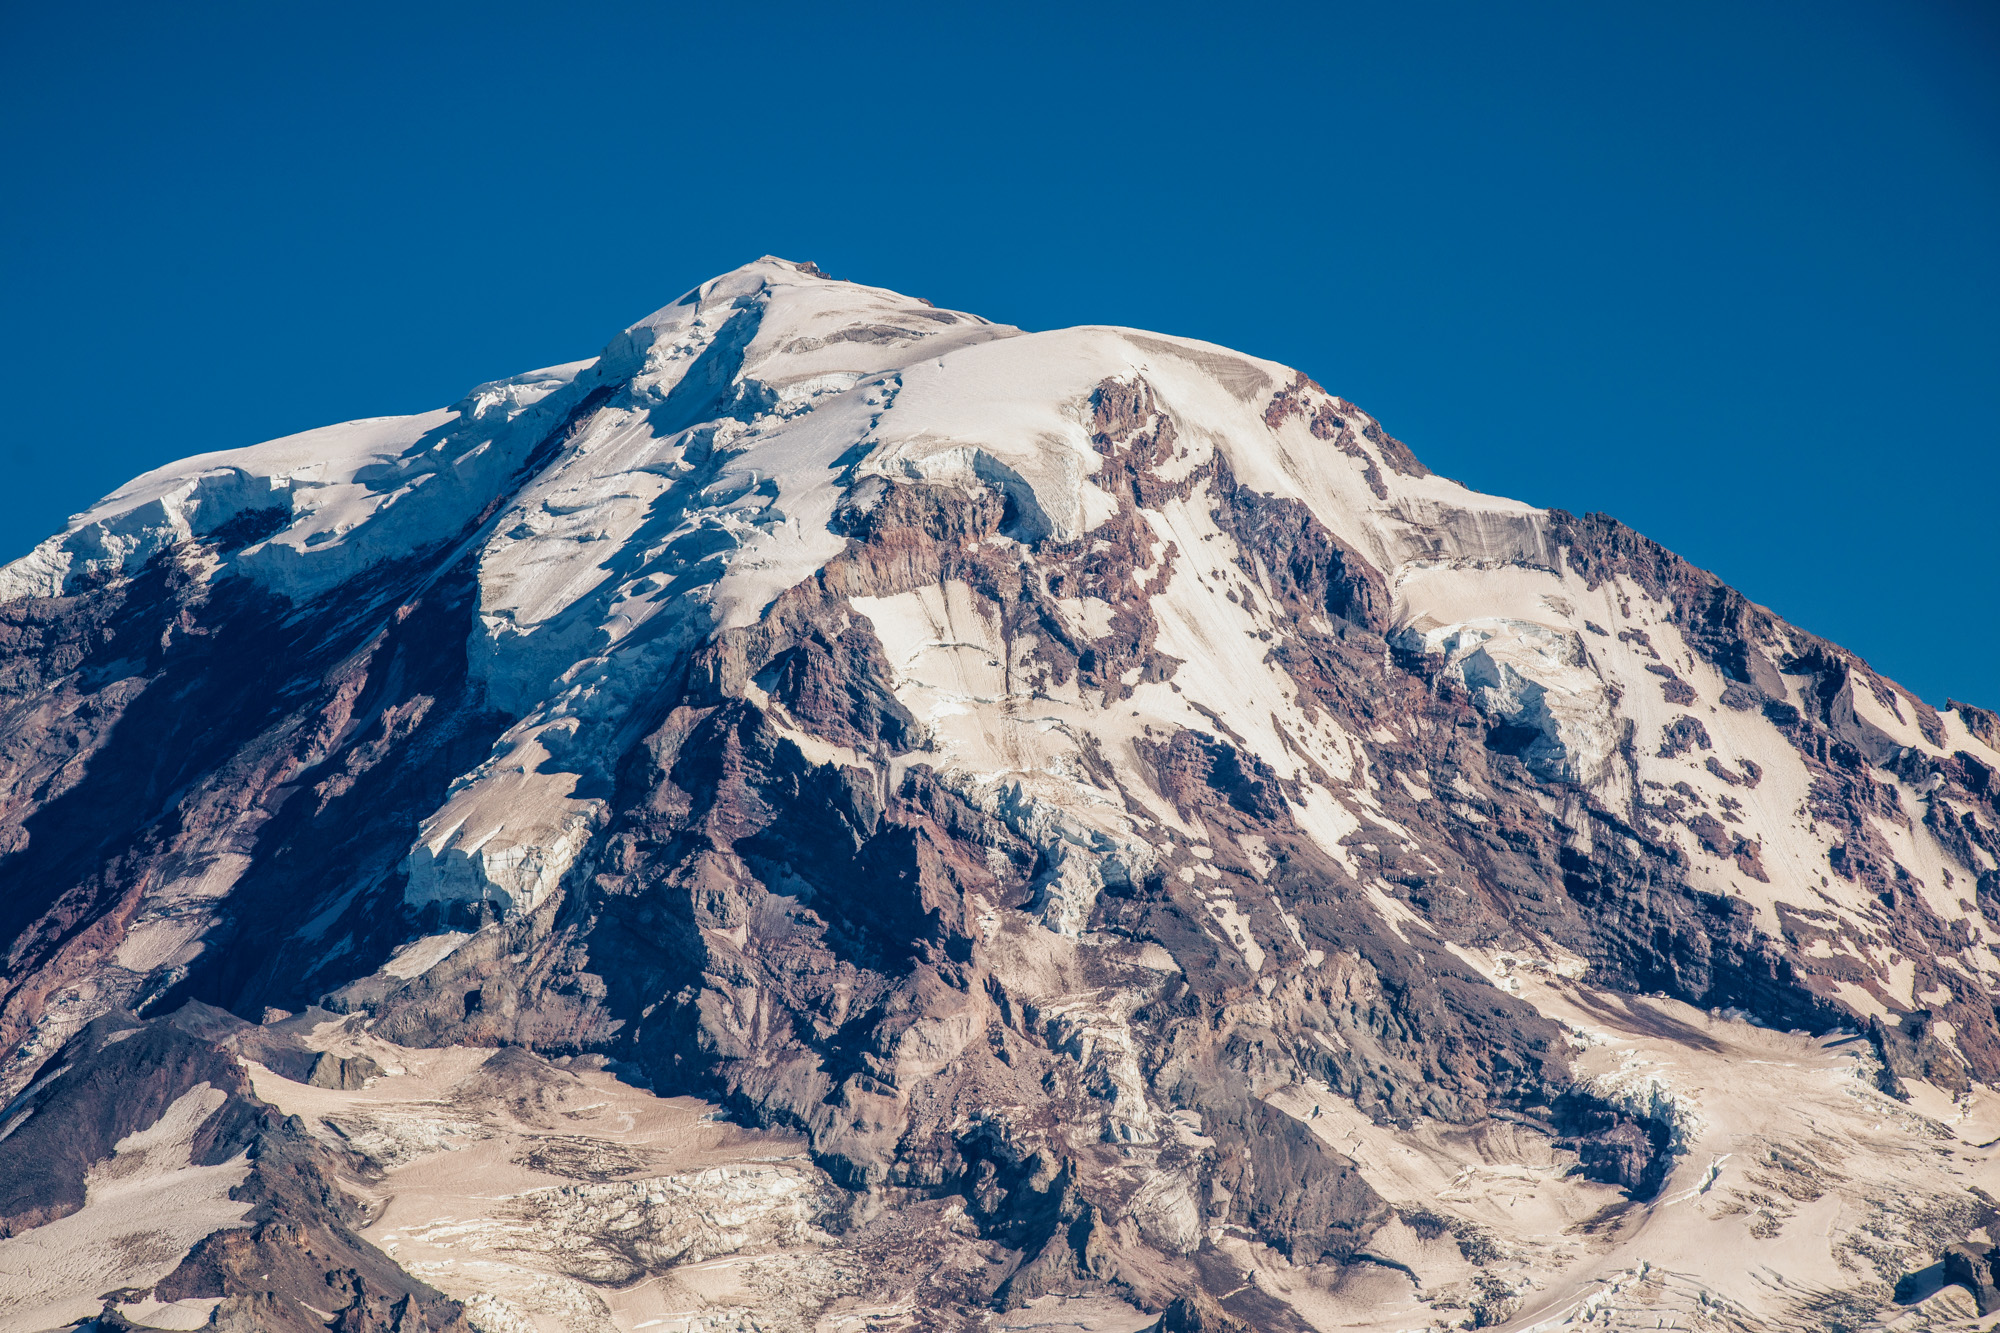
(840, 814)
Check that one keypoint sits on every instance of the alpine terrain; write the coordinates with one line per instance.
(839, 815)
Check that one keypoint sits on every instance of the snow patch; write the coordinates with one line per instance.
(1531, 678)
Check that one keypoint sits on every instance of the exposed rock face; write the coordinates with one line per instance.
(1098, 791)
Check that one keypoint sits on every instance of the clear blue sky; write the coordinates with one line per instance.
(1728, 271)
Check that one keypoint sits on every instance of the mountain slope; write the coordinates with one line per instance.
(1096, 787)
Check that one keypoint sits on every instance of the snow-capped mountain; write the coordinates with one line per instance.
(947, 827)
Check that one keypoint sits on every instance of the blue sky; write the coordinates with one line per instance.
(1728, 272)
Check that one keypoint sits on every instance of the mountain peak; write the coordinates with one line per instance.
(1101, 810)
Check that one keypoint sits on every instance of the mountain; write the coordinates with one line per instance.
(839, 814)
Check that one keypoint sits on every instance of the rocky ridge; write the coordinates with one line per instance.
(1150, 844)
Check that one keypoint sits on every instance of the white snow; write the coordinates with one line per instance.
(356, 494)
(143, 1208)
(1533, 676)
(698, 492)
(701, 485)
